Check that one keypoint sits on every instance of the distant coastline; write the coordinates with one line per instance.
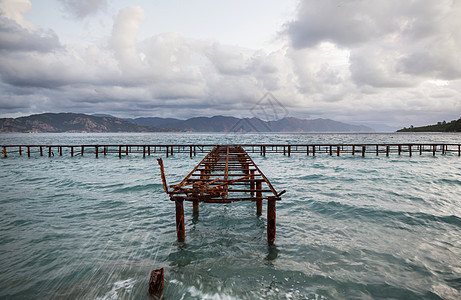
(453, 126)
(72, 122)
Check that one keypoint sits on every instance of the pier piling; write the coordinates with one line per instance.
(180, 231)
(262, 149)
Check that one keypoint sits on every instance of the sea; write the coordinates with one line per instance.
(348, 227)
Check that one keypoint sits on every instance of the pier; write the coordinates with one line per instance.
(226, 174)
(261, 149)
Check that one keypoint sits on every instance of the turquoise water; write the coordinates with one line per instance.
(347, 228)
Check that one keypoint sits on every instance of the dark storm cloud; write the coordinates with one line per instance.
(387, 39)
(14, 37)
(83, 8)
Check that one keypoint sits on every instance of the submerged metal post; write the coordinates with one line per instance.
(180, 231)
(157, 283)
(259, 201)
(271, 221)
(195, 207)
(252, 182)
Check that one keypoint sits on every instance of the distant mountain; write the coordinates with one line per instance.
(70, 122)
(153, 121)
(382, 127)
(103, 115)
(232, 124)
(316, 125)
(453, 126)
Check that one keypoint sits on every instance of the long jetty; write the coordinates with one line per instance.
(262, 149)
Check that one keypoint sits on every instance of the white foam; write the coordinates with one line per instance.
(119, 286)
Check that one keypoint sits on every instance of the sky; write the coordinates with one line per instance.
(375, 62)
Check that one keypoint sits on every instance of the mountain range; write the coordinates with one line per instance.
(71, 122)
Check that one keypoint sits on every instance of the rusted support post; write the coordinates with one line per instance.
(377, 150)
(313, 150)
(180, 231)
(28, 151)
(284, 150)
(105, 150)
(195, 151)
(400, 149)
(289, 150)
(307, 150)
(83, 150)
(41, 151)
(157, 284)
(387, 150)
(5, 154)
(126, 150)
(353, 150)
(20, 150)
(148, 150)
(338, 151)
(271, 221)
(143, 151)
(119, 151)
(190, 151)
(96, 150)
(363, 150)
(49, 151)
(60, 151)
(264, 150)
(167, 151)
(195, 207)
(331, 150)
(252, 182)
(172, 150)
(459, 150)
(409, 150)
(420, 149)
(259, 201)
(71, 151)
(433, 150)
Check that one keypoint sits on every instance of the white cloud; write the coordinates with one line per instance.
(15, 10)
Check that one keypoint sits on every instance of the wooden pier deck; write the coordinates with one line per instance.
(262, 149)
(226, 174)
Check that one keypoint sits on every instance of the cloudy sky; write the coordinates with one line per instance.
(388, 62)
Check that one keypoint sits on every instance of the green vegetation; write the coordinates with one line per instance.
(453, 126)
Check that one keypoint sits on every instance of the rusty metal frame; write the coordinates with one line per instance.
(214, 185)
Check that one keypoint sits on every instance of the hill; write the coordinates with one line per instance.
(232, 124)
(70, 122)
(453, 126)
